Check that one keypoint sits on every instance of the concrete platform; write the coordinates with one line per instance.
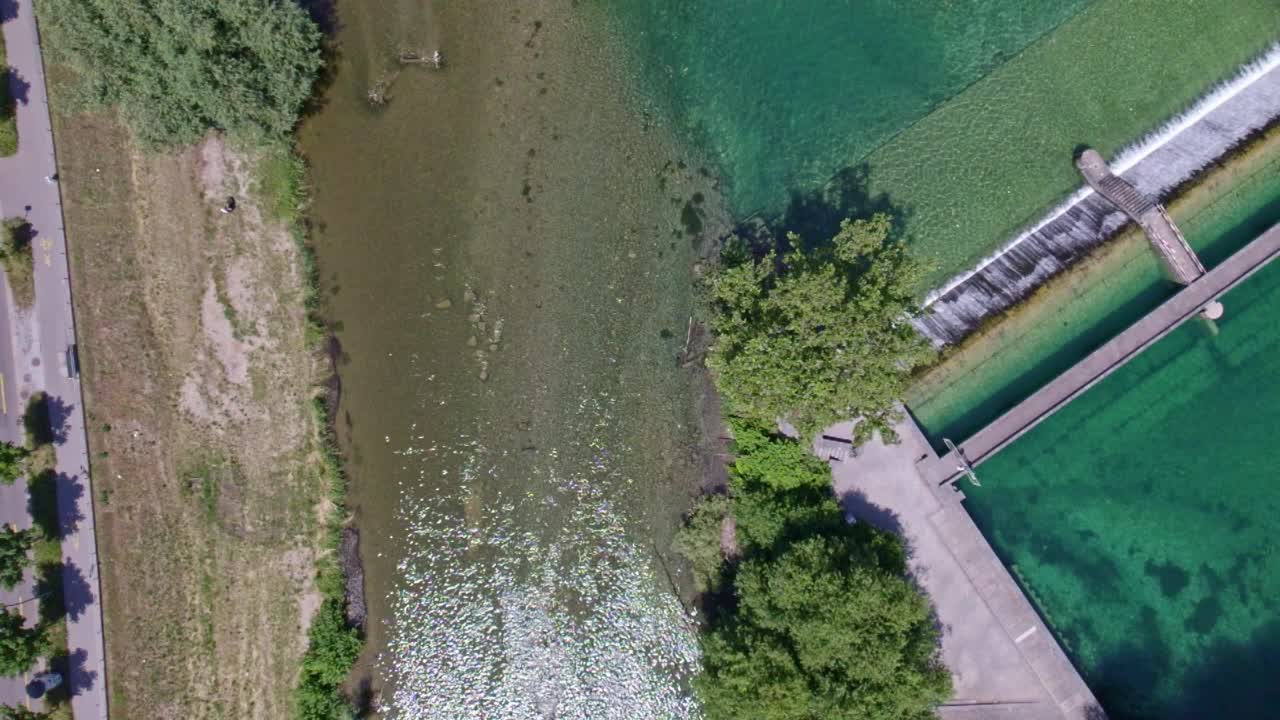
(1004, 661)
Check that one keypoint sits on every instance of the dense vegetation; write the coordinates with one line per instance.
(8, 109)
(19, 644)
(177, 68)
(12, 459)
(10, 712)
(15, 548)
(820, 622)
(16, 256)
(817, 335)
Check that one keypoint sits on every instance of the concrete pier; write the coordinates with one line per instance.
(1200, 297)
(1004, 661)
(1166, 239)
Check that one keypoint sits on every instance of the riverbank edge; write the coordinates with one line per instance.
(339, 561)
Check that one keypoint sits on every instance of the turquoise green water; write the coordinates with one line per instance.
(784, 94)
(1102, 301)
(1145, 517)
(960, 116)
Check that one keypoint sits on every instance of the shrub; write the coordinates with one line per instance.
(699, 541)
(178, 68)
(15, 255)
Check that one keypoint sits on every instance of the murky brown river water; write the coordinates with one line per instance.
(510, 277)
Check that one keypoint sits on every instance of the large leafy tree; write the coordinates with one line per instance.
(11, 462)
(819, 335)
(177, 68)
(825, 624)
(19, 645)
(828, 629)
(15, 547)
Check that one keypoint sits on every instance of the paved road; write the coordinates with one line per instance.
(38, 339)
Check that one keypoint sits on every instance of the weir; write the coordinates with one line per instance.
(1155, 167)
(1195, 299)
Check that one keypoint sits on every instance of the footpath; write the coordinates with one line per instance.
(29, 187)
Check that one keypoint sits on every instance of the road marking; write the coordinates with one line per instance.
(4, 404)
(1029, 632)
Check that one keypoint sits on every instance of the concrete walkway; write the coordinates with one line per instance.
(39, 339)
(1004, 661)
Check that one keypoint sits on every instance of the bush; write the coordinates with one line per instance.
(178, 68)
(12, 464)
(8, 110)
(15, 255)
(19, 645)
(818, 336)
(15, 552)
(332, 650)
(699, 541)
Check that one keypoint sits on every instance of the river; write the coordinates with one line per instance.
(507, 247)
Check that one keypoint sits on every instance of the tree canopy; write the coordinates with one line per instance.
(824, 622)
(177, 68)
(19, 645)
(11, 462)
(828, 629)
(15, 546)
(17, 712)
(819, 335)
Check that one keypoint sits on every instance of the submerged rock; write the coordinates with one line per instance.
(353, 570)
(444, 304)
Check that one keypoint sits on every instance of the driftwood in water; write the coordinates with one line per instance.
(421, 57)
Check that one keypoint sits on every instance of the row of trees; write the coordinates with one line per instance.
(809, 616)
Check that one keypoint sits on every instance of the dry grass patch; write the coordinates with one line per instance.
(198, 378)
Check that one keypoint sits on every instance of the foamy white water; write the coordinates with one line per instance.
(537, 605)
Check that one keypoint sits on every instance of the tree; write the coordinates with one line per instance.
(825, 622)
(178, 68)
(15, 547)
(19, 645)
(11, 462)
(827, 629)
(820, 335)
(12, 712)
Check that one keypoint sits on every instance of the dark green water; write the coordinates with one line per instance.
(1144, 519)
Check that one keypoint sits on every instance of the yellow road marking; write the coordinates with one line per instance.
(4, 404)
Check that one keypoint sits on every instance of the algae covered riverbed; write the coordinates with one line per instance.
(507, 246)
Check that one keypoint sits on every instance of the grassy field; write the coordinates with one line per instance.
(211, 490)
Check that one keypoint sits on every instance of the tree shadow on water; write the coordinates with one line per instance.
(815, 215)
